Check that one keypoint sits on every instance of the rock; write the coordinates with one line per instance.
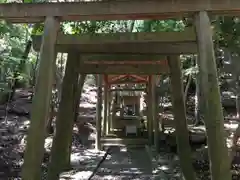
(48, 143)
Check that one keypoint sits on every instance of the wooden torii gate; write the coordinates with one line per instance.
(52, 13)
(118, 54)
(123, 54)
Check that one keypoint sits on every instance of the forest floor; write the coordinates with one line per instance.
(121, 163)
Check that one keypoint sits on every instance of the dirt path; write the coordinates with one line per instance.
(125, 163)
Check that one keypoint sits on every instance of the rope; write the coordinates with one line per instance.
(99, 163)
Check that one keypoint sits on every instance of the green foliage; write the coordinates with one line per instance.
(97, 27)
(161, 26)
(13, 39)
(227, 33)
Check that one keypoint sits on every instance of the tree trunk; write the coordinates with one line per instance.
(65, 120)
(34, 74)
(236, 135)
(234, 65)
(236, 72)
(20, 68)
(238, 98)
(50, 128)
(41, 103)
(187, 87)
(79, 94)
(59, 78)
(235, 141)
(217, 149)
(180, 120)
(198, 100)
(197, 103)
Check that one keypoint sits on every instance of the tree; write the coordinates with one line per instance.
(13, 55)
(227, 38)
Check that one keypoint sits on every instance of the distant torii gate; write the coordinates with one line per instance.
(151, 119)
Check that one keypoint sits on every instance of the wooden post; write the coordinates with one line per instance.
(60, 153)
(41, 103)
(157, 81)
(180, 120)
(105, 101)
(147, 111)
(209, 86)
(108, 109)
(121, 104)
(157, 107)
(150, 111)
(154, 113)
(161, 108)
(137, 106)
(111, 109)
(99, 112)
(141, 105)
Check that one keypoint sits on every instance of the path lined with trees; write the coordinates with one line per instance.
(216, 68)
